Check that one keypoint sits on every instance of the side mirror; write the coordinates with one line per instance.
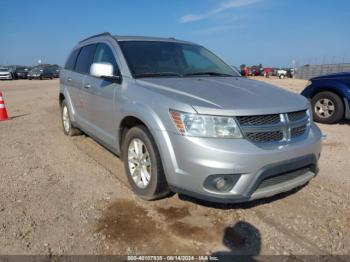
(105, 71)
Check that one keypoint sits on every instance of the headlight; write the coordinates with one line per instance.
(308, 83)
(205, 125)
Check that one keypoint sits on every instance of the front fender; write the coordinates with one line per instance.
(329, 85)
(158, 130)
(333, 86)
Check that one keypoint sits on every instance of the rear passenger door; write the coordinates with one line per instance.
(80, 78)
(73, 84)
(104, 96)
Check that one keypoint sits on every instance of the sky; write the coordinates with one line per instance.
(270, 32)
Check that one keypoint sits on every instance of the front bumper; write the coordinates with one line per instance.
(21, 76)
(7, 77)
(189, 161)
(34, 77)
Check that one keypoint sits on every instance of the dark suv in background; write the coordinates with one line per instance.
(40, 73)
(330, 97)
(21, 73)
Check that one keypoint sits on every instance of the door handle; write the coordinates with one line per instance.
(69, 79)
(87, 86)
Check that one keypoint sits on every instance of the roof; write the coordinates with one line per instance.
(149, 38)
(137, 38)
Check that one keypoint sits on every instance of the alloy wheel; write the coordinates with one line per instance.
(139, 163)
(324, 108)
(65, 117)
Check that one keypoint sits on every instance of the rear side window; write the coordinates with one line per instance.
(85, 59)
(71, 60)
(104, 54)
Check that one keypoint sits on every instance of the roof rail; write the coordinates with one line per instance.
(102, 34)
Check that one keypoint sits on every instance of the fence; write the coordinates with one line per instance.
(309, 71)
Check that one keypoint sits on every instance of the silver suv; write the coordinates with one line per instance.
(183, 120)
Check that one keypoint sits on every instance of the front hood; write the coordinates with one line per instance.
(227, 95)
(4, 73)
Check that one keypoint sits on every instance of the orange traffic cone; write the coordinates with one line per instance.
(3, 112)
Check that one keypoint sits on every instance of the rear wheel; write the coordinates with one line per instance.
(328, 108)
(68, 128)
(143, 164)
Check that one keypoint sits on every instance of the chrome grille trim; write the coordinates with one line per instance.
(290, 126)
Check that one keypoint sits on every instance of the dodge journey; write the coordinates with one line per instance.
(182, 120)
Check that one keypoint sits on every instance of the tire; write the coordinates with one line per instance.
(322, 104)
(68, 127)
(156, 185)
(282, 76)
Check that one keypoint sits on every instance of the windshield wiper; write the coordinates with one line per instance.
(157, 74)
(209, 74)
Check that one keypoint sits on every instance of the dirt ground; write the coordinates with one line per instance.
(62, 195)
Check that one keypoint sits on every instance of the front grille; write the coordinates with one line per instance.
(259, 120)
(275, 180)
(274, 127)
(265, 137)
(295, 116)
(298, 131)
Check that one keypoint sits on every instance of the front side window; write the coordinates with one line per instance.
(151, 58)
(104, 54)
(85, 59)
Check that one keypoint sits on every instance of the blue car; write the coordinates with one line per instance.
(330, 97)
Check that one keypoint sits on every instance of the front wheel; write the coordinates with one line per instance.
(328, 108)
(143, 164)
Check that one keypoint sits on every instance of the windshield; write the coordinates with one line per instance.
(4, 70)
(154, 59)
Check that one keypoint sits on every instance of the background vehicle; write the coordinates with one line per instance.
(330, 97)
(37, 73)
(182, 120)
(55, 70)
(21, 72)
(281, 73)
(5, 74)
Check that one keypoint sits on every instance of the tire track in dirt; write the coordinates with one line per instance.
(297, 238)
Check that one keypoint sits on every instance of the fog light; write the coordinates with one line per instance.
(220, 183)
